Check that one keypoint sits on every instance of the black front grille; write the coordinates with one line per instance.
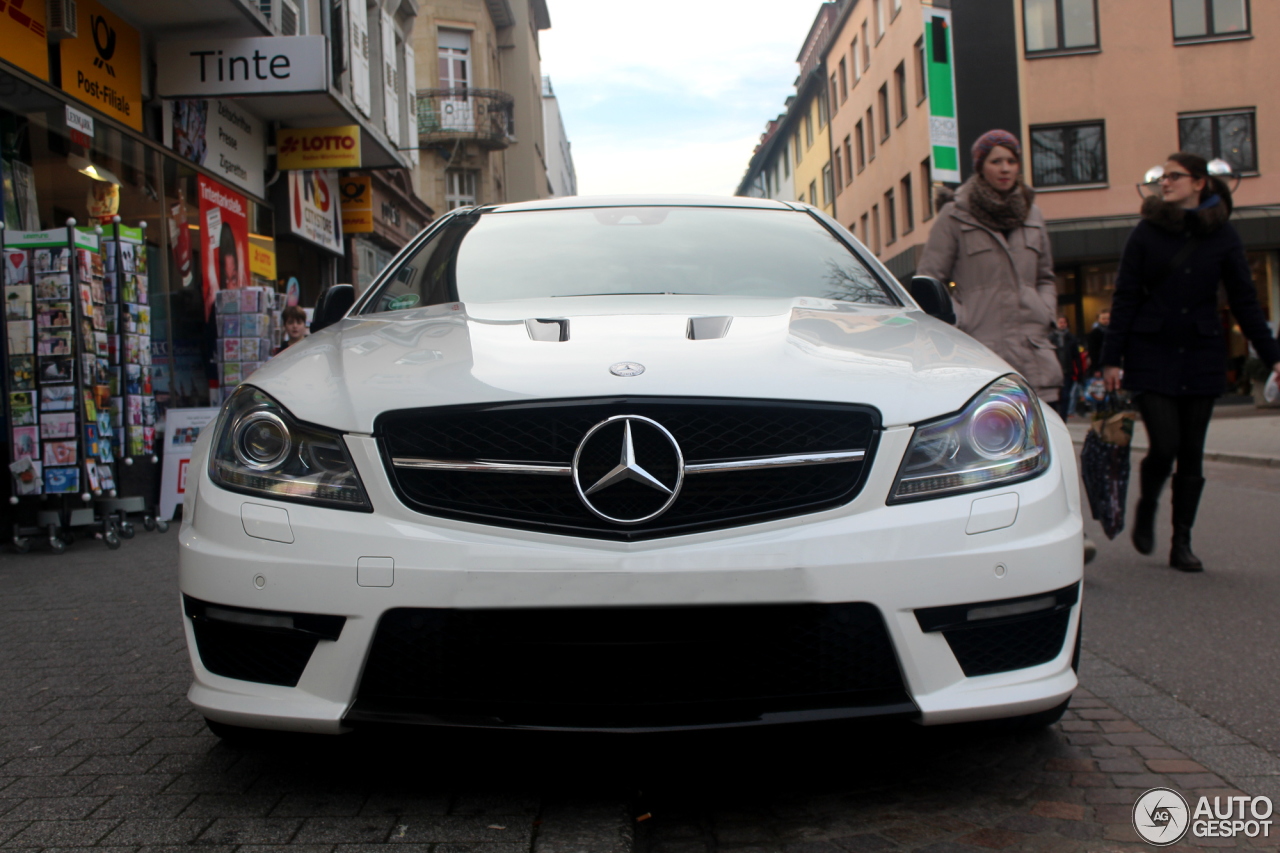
(982, 650)
(548, 433)
(628, 667)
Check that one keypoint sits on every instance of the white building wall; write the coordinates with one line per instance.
(561, 176)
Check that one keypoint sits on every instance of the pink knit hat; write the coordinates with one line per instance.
(990, 140)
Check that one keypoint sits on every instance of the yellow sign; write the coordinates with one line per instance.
(318, 147)
(262, 259)
(357, 204)
(103, 66)
(23, 35)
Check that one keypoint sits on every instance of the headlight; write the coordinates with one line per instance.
(997, 439)
(260, 449)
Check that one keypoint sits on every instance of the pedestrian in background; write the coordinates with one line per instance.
(990, 240)
(1068, 349)
(1097, 335)
(1167, 336)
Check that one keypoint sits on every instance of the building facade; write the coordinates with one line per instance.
(561, 176)
(479, 113)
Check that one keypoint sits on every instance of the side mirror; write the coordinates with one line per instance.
(334, 305)
(934, 298)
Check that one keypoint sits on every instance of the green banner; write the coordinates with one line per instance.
(944, 133)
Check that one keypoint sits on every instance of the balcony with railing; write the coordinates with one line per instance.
(483, 116)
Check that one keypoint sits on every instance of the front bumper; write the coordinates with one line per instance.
(900, 559)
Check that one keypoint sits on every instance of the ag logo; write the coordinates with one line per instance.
(1161, 817)
(104, 41)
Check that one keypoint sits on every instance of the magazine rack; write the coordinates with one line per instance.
(59, 383)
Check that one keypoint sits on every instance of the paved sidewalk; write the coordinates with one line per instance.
(1248, 440)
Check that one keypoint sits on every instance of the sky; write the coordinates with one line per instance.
(670, 95)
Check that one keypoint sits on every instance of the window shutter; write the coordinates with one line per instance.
(360, 57)
(411, 93)
(390, 83)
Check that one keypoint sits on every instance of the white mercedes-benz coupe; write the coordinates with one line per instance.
(631, 464)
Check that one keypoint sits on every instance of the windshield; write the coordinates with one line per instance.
(638, 250)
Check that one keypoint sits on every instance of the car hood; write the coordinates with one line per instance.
(906, 364)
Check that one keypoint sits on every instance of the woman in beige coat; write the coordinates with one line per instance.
(991, 241)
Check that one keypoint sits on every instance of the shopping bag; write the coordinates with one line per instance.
(1104, 463)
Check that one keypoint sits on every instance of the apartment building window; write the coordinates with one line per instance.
(1231, 136)
(844, 82)
(837, 171)
(460, 187)
(866, 229)
(884, 113)
(813, 192)
(1053, 25)
(875, 228)
(871, 135)
(897, 7)
(900, 90)
(1065, 155)
(860, 133)
(857, 61)
(786, 160)
(926, 191)
(835, 97)
(866, 48)
(808, 129)
(848, 159)
(922, 86)
(1197, 19)
(890, 219)
(908, 205)
(824, 115)
(879, 20)
(799, 155)
(828, 188)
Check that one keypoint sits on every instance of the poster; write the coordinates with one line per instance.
(221, 136)
(314, 210)
(224, 227)
(182, 427)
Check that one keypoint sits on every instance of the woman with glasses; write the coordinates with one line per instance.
(1166, 342)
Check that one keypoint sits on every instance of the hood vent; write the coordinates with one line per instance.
(547, 330)
(707, 328)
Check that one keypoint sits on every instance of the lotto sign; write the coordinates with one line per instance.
(318, 147)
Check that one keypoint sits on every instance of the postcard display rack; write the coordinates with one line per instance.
(77, 386)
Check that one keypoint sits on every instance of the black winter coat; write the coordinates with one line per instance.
(1165, 329)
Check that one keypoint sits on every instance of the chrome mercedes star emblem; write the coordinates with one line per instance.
(626, 368)
(632, 490)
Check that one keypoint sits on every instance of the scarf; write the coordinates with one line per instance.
(996, 210)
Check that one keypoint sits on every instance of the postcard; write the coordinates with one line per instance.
(227, 302)
(231, 374)
(53, 287)
(22, 372)
(104, 423)
(54, 342)
(52, 315)
(20, 333)
(91, 474)
(148, 440)
(57, 398)
(105, 477)
(90, 407)
(149, 411)
(15, 266)
(62, 481)
(133, 411)
(56, 369)
(26, 442)
(27, 478)
(58, 425)
(132, 379)
(229, 326)
(230, 349)
(133, 441)
(17, 302)
(60, 453)
(22, 407)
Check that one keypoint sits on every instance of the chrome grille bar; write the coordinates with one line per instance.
(760, 463)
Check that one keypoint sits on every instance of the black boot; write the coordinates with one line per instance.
(1144, 517)
(1186, 498)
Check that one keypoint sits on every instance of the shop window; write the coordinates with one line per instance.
(1230, 136)
(1059, 25)
(1067, 155)
(1201, 19)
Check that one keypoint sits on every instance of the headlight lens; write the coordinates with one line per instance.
(261, 449)
(997, 439)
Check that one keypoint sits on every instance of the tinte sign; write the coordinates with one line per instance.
(318, 147)
(251, 66)
(103, 66)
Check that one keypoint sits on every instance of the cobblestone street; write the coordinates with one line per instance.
(98, 748)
